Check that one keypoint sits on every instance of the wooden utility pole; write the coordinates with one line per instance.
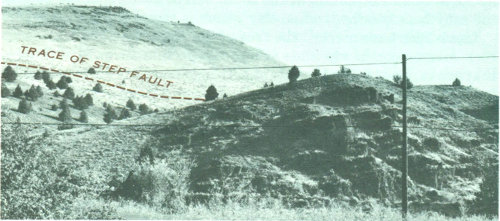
(404, 166)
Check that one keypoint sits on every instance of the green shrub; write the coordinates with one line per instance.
(62, 83)
(50, 84)
(211, 93)
(83, 117)
(80, 103)
(293, 74)
(91, 71)
(64, 103)
(65, 115)
(24, 107)
(110, 115)
(316, 73)
(69, 93)
(38, 75)
(9, 74)
(163, 184)
(124, 114)
(456, 83)
(5, 90)
(46, 77)
(144, 109)
(131, 104)
(97, 88)
(399, 82)
(88, 98)
(18, 92)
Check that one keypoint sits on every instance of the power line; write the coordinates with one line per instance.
(243, 68)
(452, 57)
(234, 126)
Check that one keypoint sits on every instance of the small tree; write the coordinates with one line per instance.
(68, 79)
(124, 114)
(65, 115)
(265, 85)
(53, 107)
(45, 76)
(62, 83)
(97, 87)
(38, 75)
(18, 92)
(63, 104)
(9, 74)
(88, 98)
(39, 90)
(91, 71)
(316, 73)
(50, 84)
(293, 74)
(272, 84)
(69, 93)
(456, 83)
(5, 90)
(211, 93)
(144, 109)
(32, 93)
(80, 103)
(24, 107)
(131, 104)
(342, 70)
(225, 95)
(83, 117)
(399, 82)
(56, 94)
(110, 115)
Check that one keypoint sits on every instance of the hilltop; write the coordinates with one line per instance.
(116, 36)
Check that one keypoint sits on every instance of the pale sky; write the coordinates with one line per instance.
(309, 32)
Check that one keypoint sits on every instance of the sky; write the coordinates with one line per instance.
(326, 32)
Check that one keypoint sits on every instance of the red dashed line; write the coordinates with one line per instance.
(102, 82)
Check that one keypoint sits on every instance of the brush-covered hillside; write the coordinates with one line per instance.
(321, 141)
(116, 36)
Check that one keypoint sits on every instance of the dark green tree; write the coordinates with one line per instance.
(144, 109)
(131, 104)
(18, 92)
(211, 93)
(62, 83)
(39, 90)
(68, 79)
(316, 73)
(97, 87)
(83, 117)
(24, 107)
(88, 98)
(5, 90)
(63, 104)
(32, 93)
(38, 75)
(225, 95)
(65, 115)
(80, 103)
(56, 94)
(54, 107)
(50, 84)
(69, 93)
(46, 77)
(456, 83)
(124, 114)
(9, 74)
(110, 115)
(91, 71)
(293, 74)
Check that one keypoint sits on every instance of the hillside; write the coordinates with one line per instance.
(336, 137)
(118, 37)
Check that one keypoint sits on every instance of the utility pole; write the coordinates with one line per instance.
(404, 168)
